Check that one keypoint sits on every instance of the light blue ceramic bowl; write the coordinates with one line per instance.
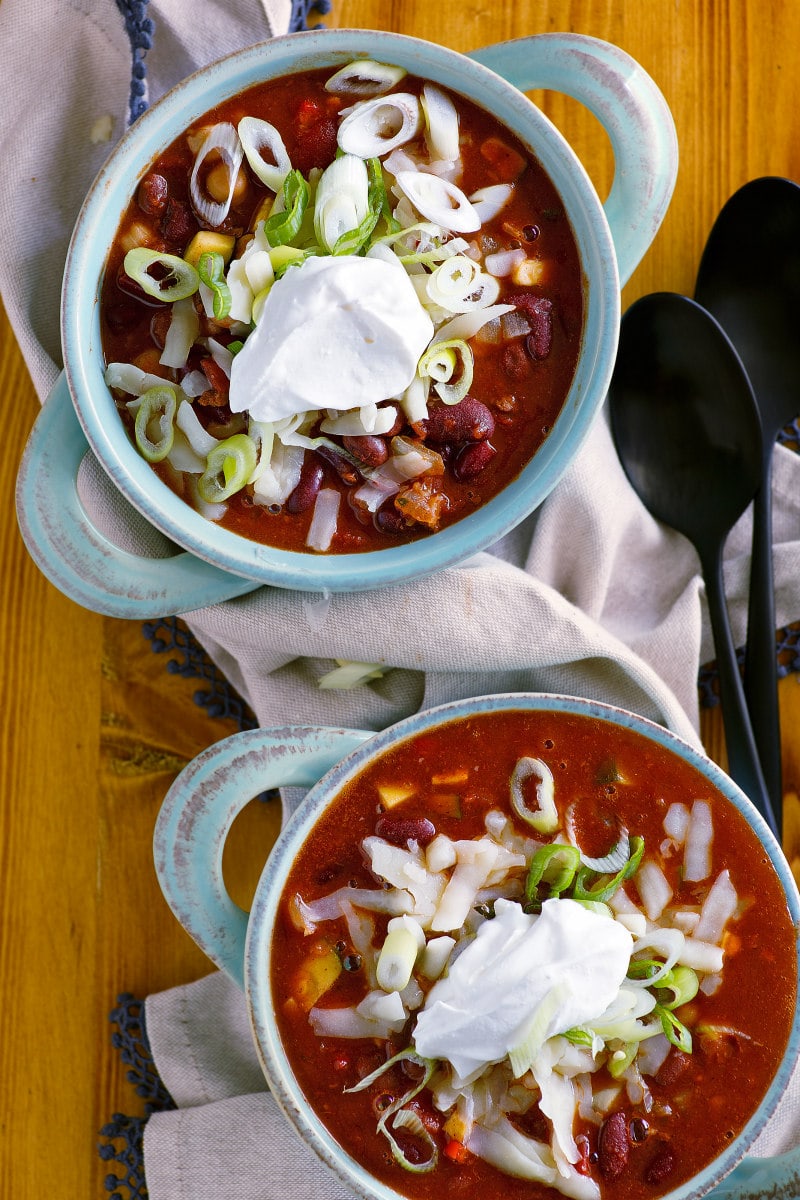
(611, 240)
(197, 815)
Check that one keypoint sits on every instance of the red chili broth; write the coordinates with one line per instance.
(536, 398)
(715, 1094)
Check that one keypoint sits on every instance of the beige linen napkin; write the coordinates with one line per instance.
(589, 596)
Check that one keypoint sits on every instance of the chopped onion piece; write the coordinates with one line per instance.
(442, 120)
(502, 263)
(194, 384)
(344, 1023)
(360, 422)
(125, 377)
(701, 956)
(198, 438)
(280, 476)
(545, 819)
(257, 136)
(718, 908)
(466, 325)
(654, 889)
(324, 519)
(375, 127)
(223, 139)
(350, 675)
(676, 822)
(221, 355)
(439, 200)
(364, 78)
(489, 201)
(514, 324)
(699, 833)
(181, 335)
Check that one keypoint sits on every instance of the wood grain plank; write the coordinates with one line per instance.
(94, 728)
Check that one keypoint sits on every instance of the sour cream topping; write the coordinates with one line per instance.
(569, 957)
(334, 332)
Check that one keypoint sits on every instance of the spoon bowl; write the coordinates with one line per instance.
(688, 434)
(749, 278)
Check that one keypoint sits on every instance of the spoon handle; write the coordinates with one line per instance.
(760, 664)
(743, 762)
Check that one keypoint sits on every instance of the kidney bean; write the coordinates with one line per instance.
(368, 449)
(159, 326)
(398, 830)
(304, 495)
(539, 312)
(152, 194)
(468, 421)
(131, 288)
(120, 317)
(515, 361)
(178, 224)
(389, 520)
(672, 1067)
(472, 460)
(346, 471)
(540, 339)
(661, 1166)
(613, 1146)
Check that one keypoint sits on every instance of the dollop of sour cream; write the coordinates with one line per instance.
(334, 332)
(570, 956)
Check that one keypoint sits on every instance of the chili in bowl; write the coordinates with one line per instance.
(518, 946)
(341, 309)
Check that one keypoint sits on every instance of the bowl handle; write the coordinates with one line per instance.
(630, 108)
(200, 808)
(76, 557)
(761, 1178)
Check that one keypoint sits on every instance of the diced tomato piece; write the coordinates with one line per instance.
(456, 1151)
(216, 376)
(506, 163)
(308, 113)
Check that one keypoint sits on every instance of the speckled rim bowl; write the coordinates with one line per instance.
(203, 802)
(642, 133)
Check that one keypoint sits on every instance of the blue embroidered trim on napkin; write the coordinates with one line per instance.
(140, 29)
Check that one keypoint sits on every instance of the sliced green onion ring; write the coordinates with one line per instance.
(223, 139)
(554, 865)
(674, 1030)
(373, 128)
(603, 888)
(364, 78)
(157, 404)
(355, 239)
(257, 136)
(682, 982)
(283, 227)
(441, 362)
(211, 269)
(180, 279)
(341, 202)
(545, 818)
(442, 121)
(616, 858)
(439, 200)
(406, 1118)
(228, 468)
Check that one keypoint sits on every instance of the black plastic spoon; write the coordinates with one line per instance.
(687, 431)
(749, 278)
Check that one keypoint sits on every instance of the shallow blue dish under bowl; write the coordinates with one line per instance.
(219, 564)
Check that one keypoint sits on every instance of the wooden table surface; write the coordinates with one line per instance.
(94, 727)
